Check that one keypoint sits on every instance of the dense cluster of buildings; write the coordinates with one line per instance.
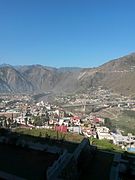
(23, 113)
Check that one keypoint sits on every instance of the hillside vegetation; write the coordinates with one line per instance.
(126, 121)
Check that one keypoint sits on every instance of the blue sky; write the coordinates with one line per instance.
(59, 33)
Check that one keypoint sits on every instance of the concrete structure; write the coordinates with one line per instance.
(103, 133)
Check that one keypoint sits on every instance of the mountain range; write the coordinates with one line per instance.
(117, 75)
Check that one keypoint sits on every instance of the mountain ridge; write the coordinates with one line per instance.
(116, 75)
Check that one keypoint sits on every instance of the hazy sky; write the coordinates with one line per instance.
(58, 33)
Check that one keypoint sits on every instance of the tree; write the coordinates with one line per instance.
(37, 120)
(108, 122)
(26, 120)
(3, 119)
(47, 117)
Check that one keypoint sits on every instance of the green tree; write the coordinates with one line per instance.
(37, 120)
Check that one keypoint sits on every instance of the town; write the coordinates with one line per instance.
(84, 114)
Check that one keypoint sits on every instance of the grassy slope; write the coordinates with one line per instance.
(106, 145)
(103, 144)
(126, 122)
(53, 134)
